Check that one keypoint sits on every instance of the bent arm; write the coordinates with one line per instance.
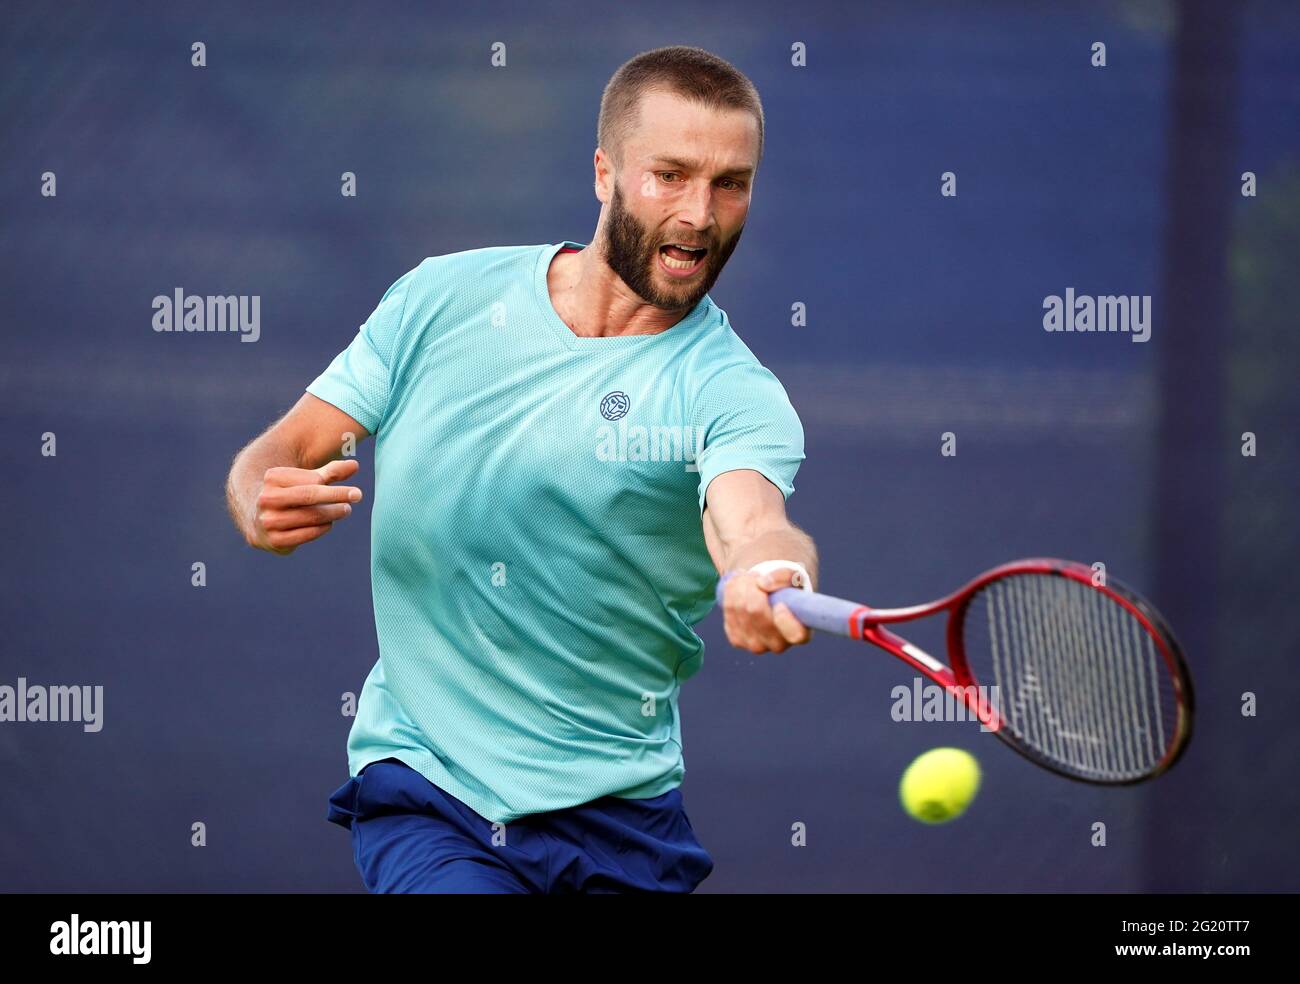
(287, 471)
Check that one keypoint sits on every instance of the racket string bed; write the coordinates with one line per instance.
(1079, 680)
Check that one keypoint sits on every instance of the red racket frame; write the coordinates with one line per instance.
(867, 624)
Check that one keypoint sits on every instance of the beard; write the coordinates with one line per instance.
(632, 252)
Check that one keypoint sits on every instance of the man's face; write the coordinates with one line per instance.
(685, 181)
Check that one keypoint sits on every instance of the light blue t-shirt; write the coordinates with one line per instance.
(537, 556)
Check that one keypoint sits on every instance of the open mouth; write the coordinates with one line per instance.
(680, 258)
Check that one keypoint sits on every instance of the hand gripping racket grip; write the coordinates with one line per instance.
(817, 611)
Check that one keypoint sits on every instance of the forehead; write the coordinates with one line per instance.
(673, 125)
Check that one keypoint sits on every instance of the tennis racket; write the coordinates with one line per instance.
(1084, 679)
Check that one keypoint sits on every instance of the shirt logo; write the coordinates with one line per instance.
(615, 406)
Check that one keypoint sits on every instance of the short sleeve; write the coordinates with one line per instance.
(748, 423)
(360, 379)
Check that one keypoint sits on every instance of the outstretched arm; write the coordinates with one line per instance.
(744, 524)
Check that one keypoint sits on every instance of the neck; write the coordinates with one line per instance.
(594, 302)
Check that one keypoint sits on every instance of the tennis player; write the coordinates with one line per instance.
(572, 444)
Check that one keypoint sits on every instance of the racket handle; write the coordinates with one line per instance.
(817, 611)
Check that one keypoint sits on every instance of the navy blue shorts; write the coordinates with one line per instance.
(410, 836)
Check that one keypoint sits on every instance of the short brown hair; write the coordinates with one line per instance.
(693, 73)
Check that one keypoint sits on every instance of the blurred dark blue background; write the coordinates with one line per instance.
(222, 703)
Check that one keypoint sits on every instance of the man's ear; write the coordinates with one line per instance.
(604, 181)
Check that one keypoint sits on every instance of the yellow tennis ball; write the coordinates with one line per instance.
(939, 785)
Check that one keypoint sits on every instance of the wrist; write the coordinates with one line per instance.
(799, 577)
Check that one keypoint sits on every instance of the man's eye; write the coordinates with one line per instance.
(667, 175)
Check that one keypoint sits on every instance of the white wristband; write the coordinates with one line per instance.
(800, 578)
